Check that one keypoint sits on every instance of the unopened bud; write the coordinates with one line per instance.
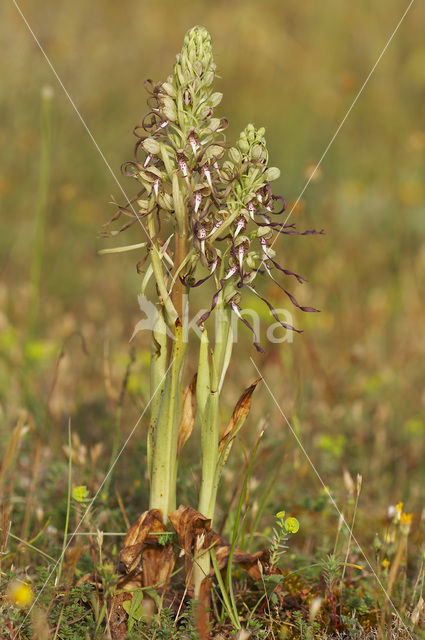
(168, 88)
(273, 173)
(256, 152)
(216, 98)
(243, 145)
(235, 155)
(151, 145)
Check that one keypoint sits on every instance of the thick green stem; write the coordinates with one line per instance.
(166, 413)
(164, 454)
(210, 388)
(210, 380)
(158, 369)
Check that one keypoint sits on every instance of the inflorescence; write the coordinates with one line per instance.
(232, 214)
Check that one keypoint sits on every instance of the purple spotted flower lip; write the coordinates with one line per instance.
(183, 163)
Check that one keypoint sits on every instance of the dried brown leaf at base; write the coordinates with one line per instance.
(157, 560)
(148, 522)
(202, 618)
(254, 563)
(239, 415)
(189, 524)
(188, 414)
(157, 565)
(118, 616)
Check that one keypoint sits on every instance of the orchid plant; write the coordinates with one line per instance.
(209, 214)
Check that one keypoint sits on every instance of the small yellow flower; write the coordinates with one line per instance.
(385, 563)
(292, 525)
(20, 593)
(280, 514)
(399, 507)
(406, 522)
(406, 518)
(80, 494)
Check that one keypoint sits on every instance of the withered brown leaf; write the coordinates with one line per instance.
(239, 415)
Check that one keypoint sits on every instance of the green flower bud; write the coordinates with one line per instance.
(228, 169)
(250, 132)
(256, 152)
(195, 59)
(151, 145)
(235, 155)
(144, 205)
(216, 98)
(252, 259)
(243, 145)
(169, 109)
(273, 173)
(168, 89)
(208, 77)
(151, 174)
(241, 240)
(213, 152)
(165, 201)
(213, 125)
(262, 232)
(197, 67)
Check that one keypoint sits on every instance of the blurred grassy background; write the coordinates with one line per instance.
(353, 382)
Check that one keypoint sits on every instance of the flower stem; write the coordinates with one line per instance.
(156, 262)
(165, 437)
(157, 379)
